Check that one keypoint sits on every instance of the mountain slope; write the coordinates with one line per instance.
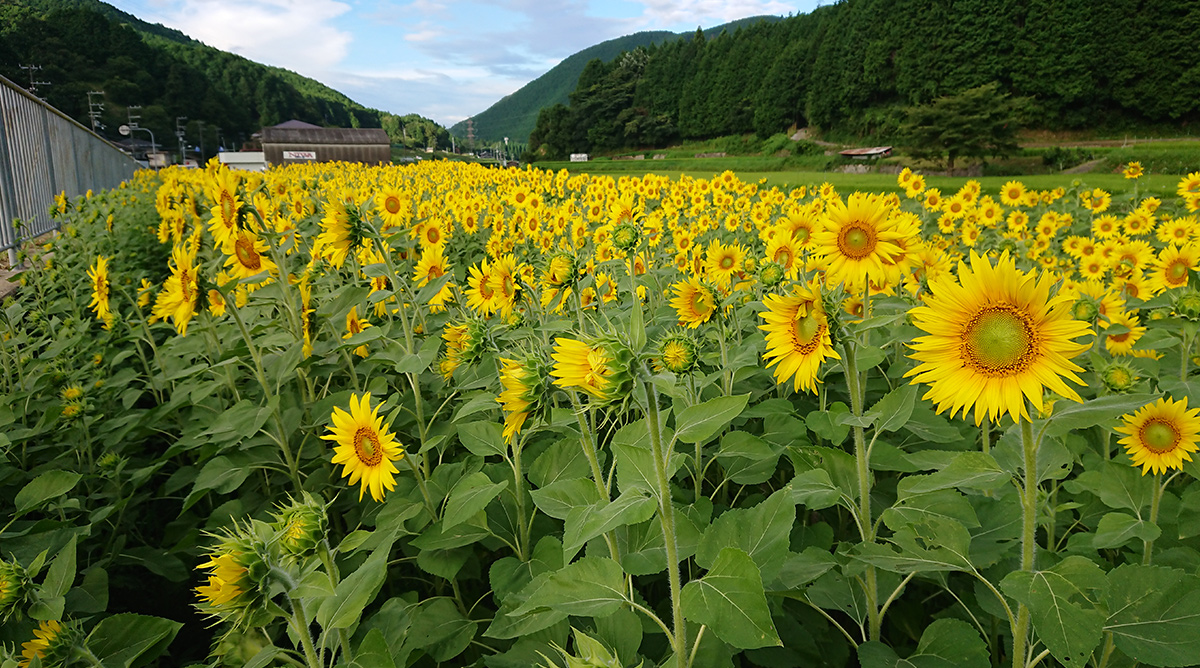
(515, 116)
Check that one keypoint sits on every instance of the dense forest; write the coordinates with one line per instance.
(515, 115)
(86, 45)
(854, 68)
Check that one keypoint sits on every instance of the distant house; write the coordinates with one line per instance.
(867, 153)
(294, 142)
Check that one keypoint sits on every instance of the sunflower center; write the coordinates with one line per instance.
(434, 235)
(392, 204)
(436, 271)
(727, 263)
(674, 355)
(806, 330)
(185, 285)
(1160, 436)
(784, 257)
(228, 210)
(246, 254)
(1176, 272)
(367, 446)
(857, 241)
(801, 234)
(999, 341)
(701, 303)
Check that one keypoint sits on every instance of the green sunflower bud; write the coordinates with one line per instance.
(679, 353)
(1118, 377)
(15, 589)
(301, 525)
(770, 274)
(1085, 309)
(589, 653)
(625, 236)
(1187, 304)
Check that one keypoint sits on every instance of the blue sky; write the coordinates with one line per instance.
(443, 59)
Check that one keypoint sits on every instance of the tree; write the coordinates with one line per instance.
(975, 123)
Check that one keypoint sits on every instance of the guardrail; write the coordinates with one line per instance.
(44, 152)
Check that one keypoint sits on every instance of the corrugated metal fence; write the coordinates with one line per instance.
(43, 152)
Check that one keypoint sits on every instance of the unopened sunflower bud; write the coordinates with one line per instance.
(1085, 309)
(1187, 304)
(301, 525)
(1118, 377)
(625, 236)
(678, 353)
(15, 589)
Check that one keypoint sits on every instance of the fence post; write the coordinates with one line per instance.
(8, 194)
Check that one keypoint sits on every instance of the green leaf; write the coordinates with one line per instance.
(127, 640)
(1070, 416)
(895, 408)
(916, 508)
(355, 591)
(814, 490)
(472, 494)
(800, 569)
(1117, 528)
(91, 595)
(586, 522)
(1119, 486)
(932, 545)
(731, 601)
(373, 652)
(1063, 606)
(590, 587)
(438, 536)
(946, 643)
(696, 424)
(1155, 614)
(761, 532)
(482, 438)
(220, 474)
(827, 424)
(62, 571)
(558, 499)
(49, 485)
(927, 425)
(747, 459)
(968, 470)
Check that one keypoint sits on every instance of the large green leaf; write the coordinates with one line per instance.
(1068, 417)
(946, 643)
(560, 497)
(1119, 486)
(935, 544)
(127, 640)
(698, 423)
(895, 408)
(1154, 614)
(586, 522)
(1063, 604)
(470, 495)
(1116, 529)
(814, 490)
(482, 438)
(761, 532)
(355, 591)
(590, 587)
(731, 601)
(968, 470)
(49, 485)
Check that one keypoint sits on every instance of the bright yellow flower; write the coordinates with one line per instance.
(1161, 436)
(365, 447)
(798, 340)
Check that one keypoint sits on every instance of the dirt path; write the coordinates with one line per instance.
(1086, 167)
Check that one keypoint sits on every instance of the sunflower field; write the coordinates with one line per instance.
(333, 415)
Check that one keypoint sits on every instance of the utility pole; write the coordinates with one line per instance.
(201, 124)
(95, 109)
(181, 135)
(471, 134)
(33, 82)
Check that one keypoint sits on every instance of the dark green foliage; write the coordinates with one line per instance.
(976, 123)
(853, 68)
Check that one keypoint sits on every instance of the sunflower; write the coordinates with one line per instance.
(599, 368)
(1133, 170)
(365, 446)
(1122, 344)
(393, 207)
(784, 250)
(693, 301)
(1176, 231)
(430, 267)
(523, 382)
(797, 333)
(222, 188)
(857, 240)
(1012, 193)
(481, 296)
(504, 286)
(52, 644)
(224, 581)
(995, 338)
(1161, 436)
(342, 231)
(247, 255)
(1174, 266)
(178, 297)
(355, 325)
(98, 272)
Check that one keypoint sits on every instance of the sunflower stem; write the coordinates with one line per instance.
(666, 516)
(1185, 349)
(854, 383)
(1155, 501)
(300, 620)
(420, 477)
(589, 451)
(1028, 537)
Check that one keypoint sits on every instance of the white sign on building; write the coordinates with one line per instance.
(299, 155)
(579, 157)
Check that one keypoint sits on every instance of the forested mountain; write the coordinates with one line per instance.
(88, 45)
(854, 67)
(515, 115)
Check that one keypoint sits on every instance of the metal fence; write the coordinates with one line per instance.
(43, 152)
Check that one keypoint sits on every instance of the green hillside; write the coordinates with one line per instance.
(88, 45)
(514, 116)
(854, 68)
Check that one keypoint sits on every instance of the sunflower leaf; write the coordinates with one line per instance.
(731, 601)
(470, 495)
(1118, 528)
(1155, 614)
(696, 424)
(1063, 604)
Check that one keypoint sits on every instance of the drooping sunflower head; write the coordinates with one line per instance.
(1161, 436)
(601, 367)
(770, 274)
(1187, 303)
(525, 382)
(238, 577)
(366, 447)
(16, 588)
(53, 643)
(995, 339)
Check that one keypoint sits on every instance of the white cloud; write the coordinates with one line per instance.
(296, 34)
(661, 13)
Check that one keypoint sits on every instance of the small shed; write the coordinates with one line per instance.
(867, 153)
(284, 145)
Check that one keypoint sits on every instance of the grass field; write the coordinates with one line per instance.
(1159, 185)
